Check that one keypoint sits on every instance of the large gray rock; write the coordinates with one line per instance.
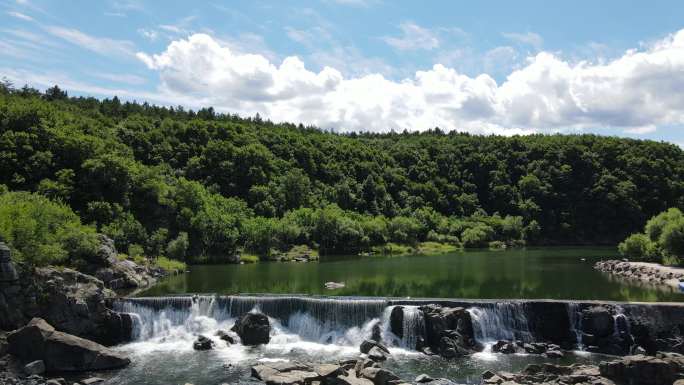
(598, 321)
(397, 321)
(367, 345)
(61, 351)
(121, 274)
(379, 376)
(72, 302)
(449, 331)
(8, 273)
(253, 329)
(644, 370)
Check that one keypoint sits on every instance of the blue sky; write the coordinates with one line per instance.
(609, 67)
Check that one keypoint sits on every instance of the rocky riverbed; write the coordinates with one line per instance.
(649, 273)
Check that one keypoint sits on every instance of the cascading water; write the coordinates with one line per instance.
(322, 320)
(575, 317)
(500, 321)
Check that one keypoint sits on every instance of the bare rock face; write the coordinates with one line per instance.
(120, 274)
(253, 329)
(598, 321)
(59, 351)
(449, 331)
(663, 369)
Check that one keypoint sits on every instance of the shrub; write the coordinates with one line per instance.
(636, 246)
(42, 232)
(169, 264)
(178, 247)
(655, 225)
(672, 238)
(478, 236)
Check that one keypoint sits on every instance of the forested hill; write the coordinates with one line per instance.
(145, 175)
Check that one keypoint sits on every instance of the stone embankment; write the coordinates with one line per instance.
(650, 273)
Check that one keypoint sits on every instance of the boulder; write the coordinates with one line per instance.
(645, 370)
(378, 355)
(379, 376)
(120, 274)
(449, 331)
(71, 301)
(60, 351)
(423, 378)
(34, 367)
(350, 379)
(367, 345)
(253, 329)
(397, 321)
(504, 347)
(287, 373)
(364, 363)
(203, 343)
(226, 336)
(91, 381)
(598, 321)
(329, 370)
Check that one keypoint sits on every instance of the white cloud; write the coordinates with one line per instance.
(638, 91)
(529, 38)
(149, 34)
(413, 37)
(641, 130)
(20, 15)
(120, 78)
(102, 46)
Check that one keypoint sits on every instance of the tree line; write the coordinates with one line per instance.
(204, 186)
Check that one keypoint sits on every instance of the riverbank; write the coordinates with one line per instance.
(652, 273)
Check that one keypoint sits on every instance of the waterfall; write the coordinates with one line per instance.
(413, 326)
(575, 317)
(500, 321)
(322, 320)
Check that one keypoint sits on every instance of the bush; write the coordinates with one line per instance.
(169, 264)
(42, 232)
(178, 247)
(477, 237)
(655, 225)
(672, 238)
(636, 246)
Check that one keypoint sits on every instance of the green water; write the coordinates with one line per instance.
(552, 273)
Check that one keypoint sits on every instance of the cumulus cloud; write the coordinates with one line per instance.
(635, 92)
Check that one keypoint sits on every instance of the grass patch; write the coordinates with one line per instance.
(169, 264)
(249, 258)
(393, 249)
(436, 248)
(296, 252)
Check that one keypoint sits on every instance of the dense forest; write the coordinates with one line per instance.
(204, 186)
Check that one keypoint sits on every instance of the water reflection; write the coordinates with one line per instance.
(556, 273)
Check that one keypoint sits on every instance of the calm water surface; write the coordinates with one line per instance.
(554, 273)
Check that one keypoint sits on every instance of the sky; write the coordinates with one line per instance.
(486, 67)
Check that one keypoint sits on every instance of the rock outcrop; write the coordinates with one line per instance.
(72, 302)
(663, 369)
(539, 348)
(59, 351)
(119, 274)
(449, 331)
(203, 343)
(253, 329)
(650, 273)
